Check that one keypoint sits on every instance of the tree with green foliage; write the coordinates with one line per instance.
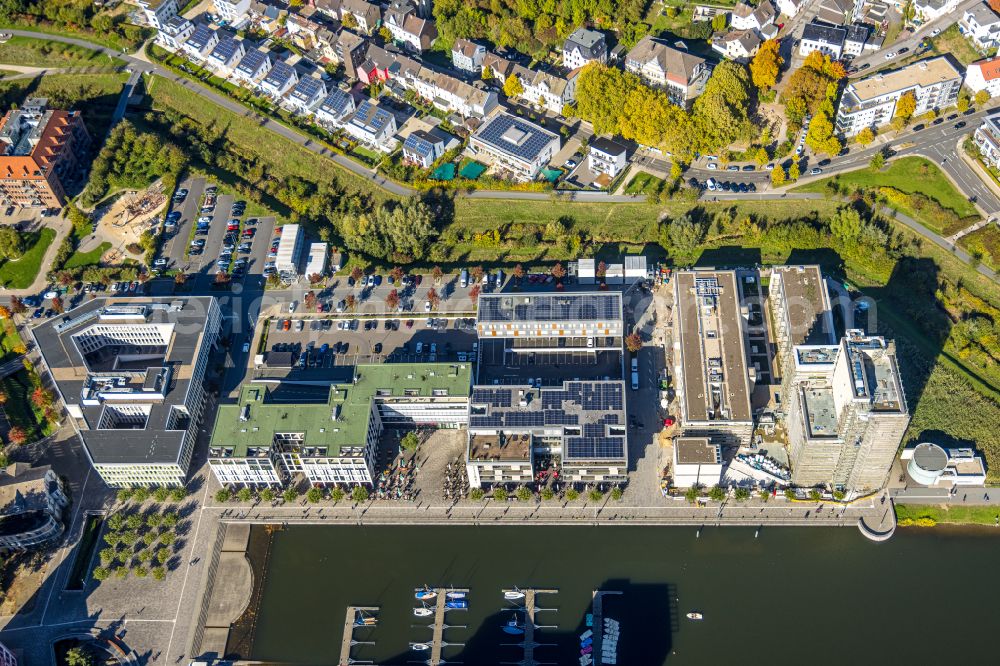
(595, 495)
(477, 494)
(547, 493)
(814, 495)
(500, 494)
(101, 573)
(512, 87)
(140, 494)
(359, 494)
(617, 493)
(289, 494)
(790, 494)
(244, 495)
(717, 493)
(12, 244)
(134, 521)
(720, 21)
(161, 494)
(267, 495)
(865, 136)
(572, 494)
(764, 495)
(337, 494)
(314, 495)
(178, 494)
(410, 441)
(401, 231)
(159, 573)
(78, 656)
(116, 522)
(223, 495)
(839, 495)
(877, 161)
(682, 235)
(691, 494)
(523, 493)
(741, 494)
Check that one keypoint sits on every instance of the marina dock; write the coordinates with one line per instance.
(437, 639)
(598, 628)
(530, 610)
(348, 642)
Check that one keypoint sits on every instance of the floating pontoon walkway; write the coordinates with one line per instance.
(530, 610)
(348, 641)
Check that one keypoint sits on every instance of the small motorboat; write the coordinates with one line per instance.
(423, 611)
(695, 615)
(513, 627)
(425, 594)
(513, 595)
(364, 620)
(420, 647)
(455, 594)
(456, 603)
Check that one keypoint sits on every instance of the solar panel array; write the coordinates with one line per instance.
(337, 103)
(536, 139)
(308, 88)
(252, 61)
(225, 49)
(493, 397)
(279, 74)
(599, 448)
(550, 307)
(200, 37)
(603, 396)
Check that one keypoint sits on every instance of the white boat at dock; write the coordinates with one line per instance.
(513, 595)
(423, 612)
(695, 615)
(420, 647)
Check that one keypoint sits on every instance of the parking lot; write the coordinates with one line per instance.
(321, 343)
(203, 260)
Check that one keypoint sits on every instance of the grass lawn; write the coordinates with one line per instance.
(91, 258)
(951, 514)
(19, 410)
(9, 339)
(284, 157)
(96, 95)
(21, 273)
(107, 39)
(912, 175)
(952, 41)
(644, 183)
(45, 53)
(985, 244)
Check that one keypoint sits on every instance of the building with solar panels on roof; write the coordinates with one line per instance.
(515, 145)
(549, 392)
(226, 55)
(307, 94)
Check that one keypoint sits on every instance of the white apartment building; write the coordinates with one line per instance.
(514, 145)
(408, 28)
(679, 73)
(175, 31)
(549, 91)
(697, 462)
(987, 138)
(260, 441)
(748, 17)
(846, 413)
(158, 12)
(607, 156)
(827, 39)
(928, 10)
(131, 372)
(232, 11)
(981, 25)
(871, 102)
(453, 95)
(984, 75)
(468, 56)
(583, 47)
(790, 8)
(737, 45)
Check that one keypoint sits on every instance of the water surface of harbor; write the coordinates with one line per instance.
(789, 596)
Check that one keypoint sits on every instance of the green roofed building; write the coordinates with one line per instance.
(277, 430)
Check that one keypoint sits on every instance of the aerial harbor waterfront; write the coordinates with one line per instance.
(396, 332)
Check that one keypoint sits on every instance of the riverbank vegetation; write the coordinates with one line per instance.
(82, 19)
(30, 52)
(929, 515)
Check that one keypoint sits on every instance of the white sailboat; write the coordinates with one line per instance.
(423, 611)
(513, 595)
(420, 647)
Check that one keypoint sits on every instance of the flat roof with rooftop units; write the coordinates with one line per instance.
(131, 372)
(712, 364)
(803, 305)
(575, 314)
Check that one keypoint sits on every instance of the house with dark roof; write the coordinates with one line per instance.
(515, 145)
(253, 67)
(607, 156)
(422, 148)
(584, 46)
(201, 42)
(823, 37)
(335, 109)
(307, 94)
(367, 16)
(279, 80)
(748, 17)
(468, 56)
(737, 45)
(226, 55)
(680, 74)
(373, 126)
(450, 94)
